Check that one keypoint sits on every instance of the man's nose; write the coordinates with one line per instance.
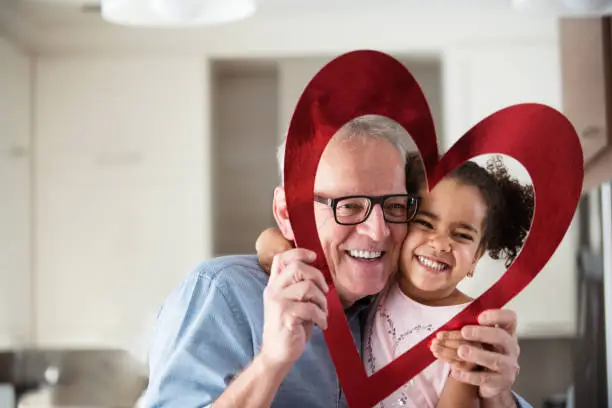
(375, 225)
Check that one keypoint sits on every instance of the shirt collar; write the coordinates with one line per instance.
(361, 305)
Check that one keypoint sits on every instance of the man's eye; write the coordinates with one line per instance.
(350, 206)
(396, 206)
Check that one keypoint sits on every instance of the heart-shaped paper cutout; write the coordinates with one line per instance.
(370, 82)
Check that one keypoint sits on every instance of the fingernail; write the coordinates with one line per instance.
(483, 318)
(440, 335)
(463, 351)
(312, 256)
(467, 332)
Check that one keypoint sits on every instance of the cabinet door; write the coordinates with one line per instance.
(15, 185)
(586, 53)
(121, 184)
(478, 81)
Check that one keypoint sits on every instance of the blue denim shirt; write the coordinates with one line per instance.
(210, 328)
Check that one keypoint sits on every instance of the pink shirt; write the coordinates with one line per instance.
(397, 324)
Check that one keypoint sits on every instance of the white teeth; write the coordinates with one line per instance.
(365, 254)
(432, 264)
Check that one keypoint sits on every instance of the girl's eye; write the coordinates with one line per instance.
(424, 223)
(465, 237)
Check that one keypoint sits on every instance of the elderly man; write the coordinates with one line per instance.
(233, 336)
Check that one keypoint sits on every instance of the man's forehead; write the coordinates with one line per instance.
(361, 165)
(343, 148)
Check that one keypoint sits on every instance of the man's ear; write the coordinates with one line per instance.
(281, 214)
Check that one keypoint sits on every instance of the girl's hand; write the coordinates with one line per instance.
(270, 243)
(497, 360)
(445, 347)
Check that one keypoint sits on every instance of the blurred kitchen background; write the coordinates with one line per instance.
(128, 155)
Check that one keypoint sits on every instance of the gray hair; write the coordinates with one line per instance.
(370, 126)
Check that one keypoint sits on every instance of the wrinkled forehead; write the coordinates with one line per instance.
(360, 165)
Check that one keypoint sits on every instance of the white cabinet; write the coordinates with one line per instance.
(122, 185)
(479, 80)
(15, 199)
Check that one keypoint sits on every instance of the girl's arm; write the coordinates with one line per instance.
(270, 243)
(456, 394)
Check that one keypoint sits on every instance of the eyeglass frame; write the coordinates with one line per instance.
(374, 200)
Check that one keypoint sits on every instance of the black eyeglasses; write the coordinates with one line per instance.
(353, 210)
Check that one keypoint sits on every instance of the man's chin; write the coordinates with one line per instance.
(363, 286)
(348, 297)
(358, 279)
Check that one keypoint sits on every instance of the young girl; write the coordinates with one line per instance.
(471, 211)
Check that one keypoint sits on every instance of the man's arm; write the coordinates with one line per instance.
(201, 341)
(202, 353)
(293, 303)
(255, 387)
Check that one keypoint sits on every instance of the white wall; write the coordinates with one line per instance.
(122, 192)
(15, 197)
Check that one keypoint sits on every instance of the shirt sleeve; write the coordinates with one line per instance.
(201, 340)
(520, 402)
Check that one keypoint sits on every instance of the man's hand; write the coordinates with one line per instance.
(498, 359)
(294, 301)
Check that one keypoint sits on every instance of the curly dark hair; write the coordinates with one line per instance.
(510, 204)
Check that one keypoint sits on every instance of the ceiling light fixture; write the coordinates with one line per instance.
(175, 13)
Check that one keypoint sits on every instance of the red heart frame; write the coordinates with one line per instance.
(370, 82)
